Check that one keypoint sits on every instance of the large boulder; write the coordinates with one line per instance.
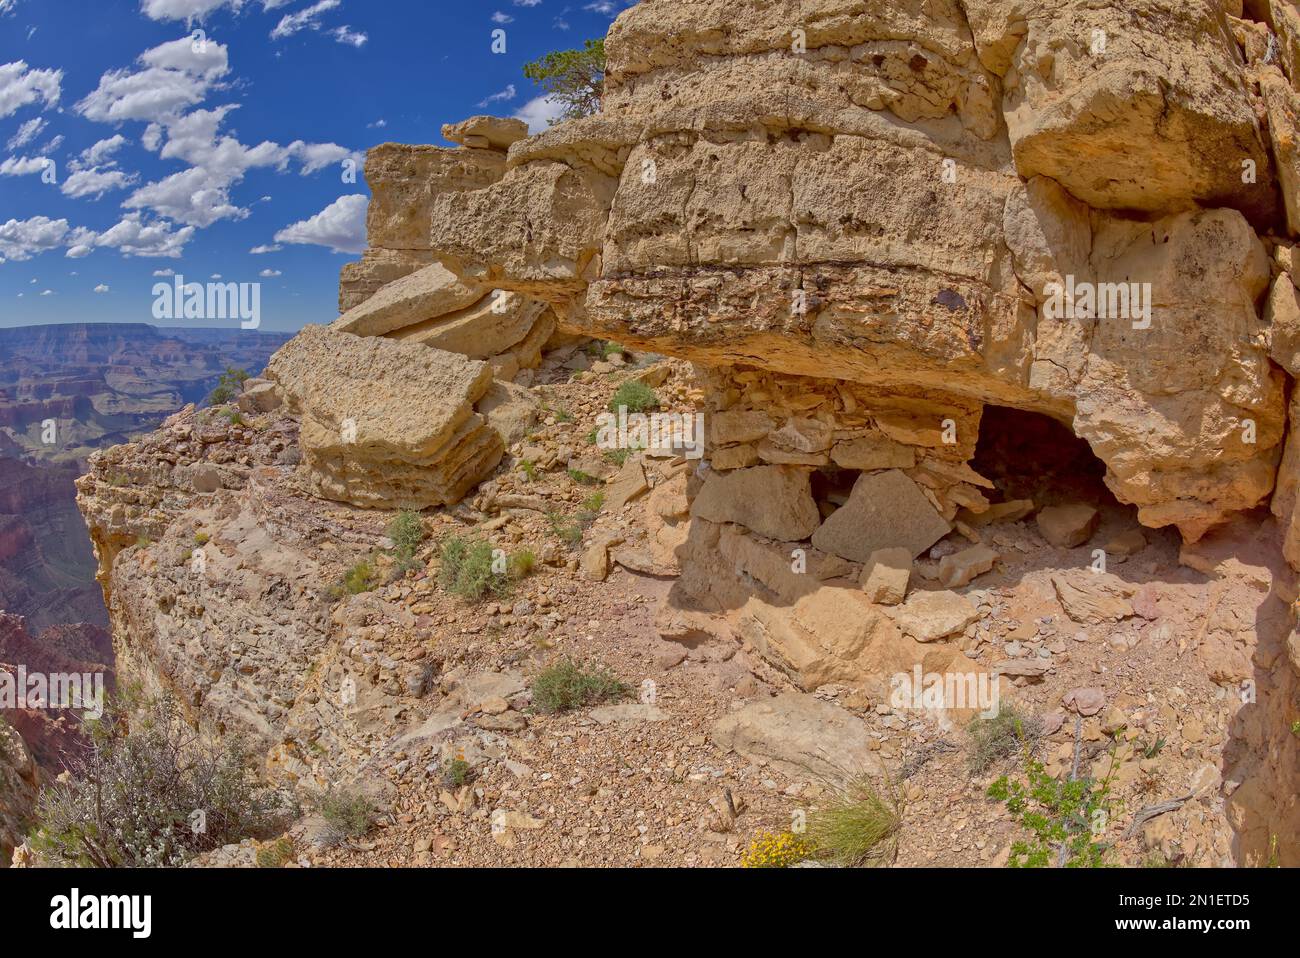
(387, 424)
(773, 501)
(885, 510)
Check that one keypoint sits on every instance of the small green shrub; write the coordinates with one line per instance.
(617, 456)
(145, 790)
(201, 538)
(529, 469)
(1059, 816)
(568, 685)
(407, 533)
(635, 396)
(361, 577)
(348, 813)
(856, 826)
(522, 564)
(228, 386)
(593, 504)
(275, 854)
(457, 772)
(565, 528)
(999, 737)
(582, 478)
(467, 570)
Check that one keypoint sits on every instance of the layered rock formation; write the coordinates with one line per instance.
(867, 224)
(19, 783)
(400, 290)
(387, 424)
(874, 229)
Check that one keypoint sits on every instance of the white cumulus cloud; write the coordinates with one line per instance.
(540, 112)
(341, 226)
(27, 132)
(176, 75)
(95, 183)
(307, 19)
(20, 86)
(22, 239)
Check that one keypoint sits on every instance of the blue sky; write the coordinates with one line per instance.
(186, 151)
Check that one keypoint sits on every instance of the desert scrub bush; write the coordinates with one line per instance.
(275, 854)
(201, 538)
(347, 813)
(635, 397)
(144, 790)
(592, 505)
(568, 685)
(360, 577)
(470, 570)
(776, 851)
(522, 564)
(1061, 816)
(565, 528)
(529, 469)
(1003, 735)
(407, 533)
(457, 772)
(857, 825)
(233, 417)
(582, 478)
(228, 386)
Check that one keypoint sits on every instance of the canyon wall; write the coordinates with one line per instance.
(873, 228)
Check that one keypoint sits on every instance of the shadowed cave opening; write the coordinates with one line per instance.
(1028, 455)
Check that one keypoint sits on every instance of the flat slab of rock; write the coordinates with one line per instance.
(801, 736)
(774, 501)
(1094, 597)
(423, 295)
(930, 616)
(487, 132)
(735, 426)
(961, 568)
(1068, 526)
(885, 510)
(873, 452)
(489, 327)
(629, 484)
(386, 424)
(1011, 511)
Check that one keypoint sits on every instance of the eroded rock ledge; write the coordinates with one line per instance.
(873, 228)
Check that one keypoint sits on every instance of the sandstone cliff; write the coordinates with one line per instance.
(932, 263)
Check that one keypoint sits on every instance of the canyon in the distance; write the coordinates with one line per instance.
(65, 391)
